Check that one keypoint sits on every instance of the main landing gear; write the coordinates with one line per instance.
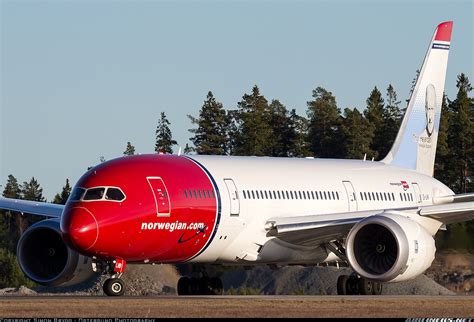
(355, 285)
(113, 286)
(200, 286)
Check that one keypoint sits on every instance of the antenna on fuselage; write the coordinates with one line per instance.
(179, 151)
(365, 156)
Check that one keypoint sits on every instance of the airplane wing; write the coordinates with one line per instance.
(32, 207)
(318, 229)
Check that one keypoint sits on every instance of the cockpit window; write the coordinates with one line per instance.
(77, 194)
(114, 194)
(94, 194)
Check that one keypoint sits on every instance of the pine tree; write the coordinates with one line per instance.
(10, 273)
(324, 125)
(375, 115)
(299, 146)
(210, 137)
(461, 133)
(392, 119)
(9, 231)
(164, 138)
(30, 191)
(129, 150)
(64, 195)
(358, 134)
(283, 132)
(413, 84)
(188, 149)
(254, 133)
(443, 167)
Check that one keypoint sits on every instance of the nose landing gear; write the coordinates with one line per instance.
(113, 286)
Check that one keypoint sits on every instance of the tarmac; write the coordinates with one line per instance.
(237, 306)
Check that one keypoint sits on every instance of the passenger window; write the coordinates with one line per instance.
(299, 193)
(334, 197)
(245, 195)
(114, 194)
(337, 195)
(94, 194)
(77, 194)
(253, 195)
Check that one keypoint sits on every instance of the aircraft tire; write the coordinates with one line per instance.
(366, 287)
(184, 285)
(342, 284)
(114, 287)
(377, 288)
(352, 285)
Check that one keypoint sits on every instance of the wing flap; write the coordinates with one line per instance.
(315, 230)
(32, 207)
(449, 213)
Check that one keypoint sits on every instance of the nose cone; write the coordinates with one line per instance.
(80, 228)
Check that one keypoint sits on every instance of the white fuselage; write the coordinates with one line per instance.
(287, 187)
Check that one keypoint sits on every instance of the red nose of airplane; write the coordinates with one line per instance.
(81, 228)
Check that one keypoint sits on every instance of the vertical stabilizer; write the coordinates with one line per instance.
(415, 145)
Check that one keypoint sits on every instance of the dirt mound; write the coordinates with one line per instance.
(140, 280)
(454, 271)
(298, 280)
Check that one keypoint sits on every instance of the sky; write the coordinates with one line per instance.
(81, 78)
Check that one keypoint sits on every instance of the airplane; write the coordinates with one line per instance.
(379, 217)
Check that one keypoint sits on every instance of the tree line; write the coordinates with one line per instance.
(258, 126)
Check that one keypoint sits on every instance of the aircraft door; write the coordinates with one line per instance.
(351, 196)
(160, 193)
(417, 190)
(233, 196)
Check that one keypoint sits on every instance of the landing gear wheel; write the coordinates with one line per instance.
(342, 284)
(352, 285)
(114, 287)
(194, 286)
(366, 287)
(184, 286)
(377, 288)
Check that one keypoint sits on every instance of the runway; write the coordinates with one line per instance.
(238, 306)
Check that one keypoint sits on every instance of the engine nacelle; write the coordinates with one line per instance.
(46, 259)
(389, 248)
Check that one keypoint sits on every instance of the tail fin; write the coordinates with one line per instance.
(415, 145)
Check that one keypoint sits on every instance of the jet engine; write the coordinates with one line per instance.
(389, 248)
(46, 259)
